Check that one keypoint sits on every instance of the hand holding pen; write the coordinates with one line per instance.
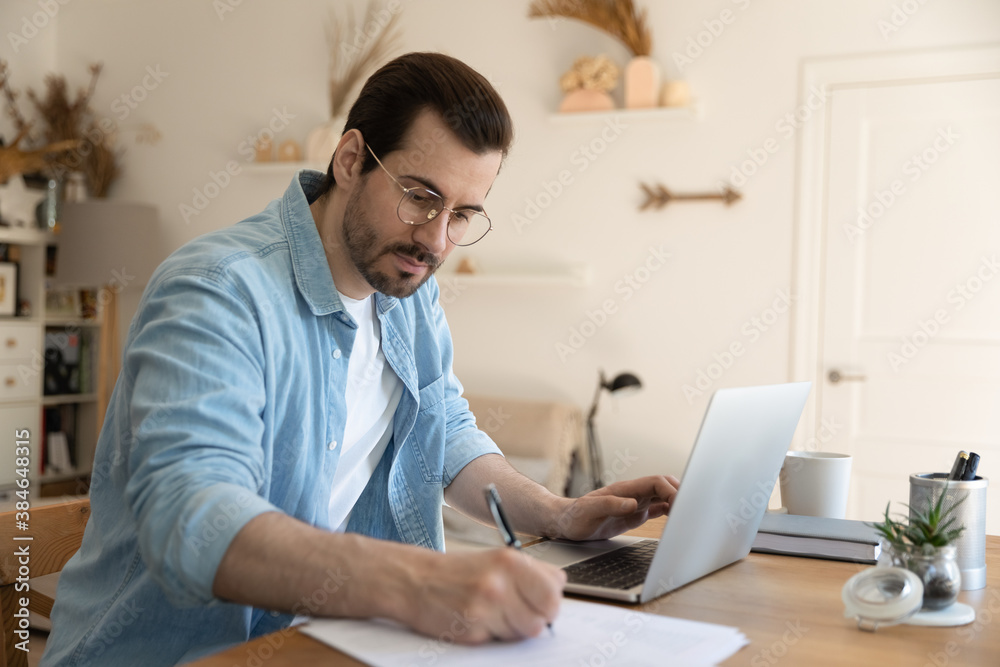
(503, 524)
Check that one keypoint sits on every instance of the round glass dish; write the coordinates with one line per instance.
(882, 596)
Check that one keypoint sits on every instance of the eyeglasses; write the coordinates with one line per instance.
(418, 206)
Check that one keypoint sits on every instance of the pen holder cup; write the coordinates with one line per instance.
(926, 487)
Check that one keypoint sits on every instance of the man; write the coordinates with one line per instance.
(286, 424)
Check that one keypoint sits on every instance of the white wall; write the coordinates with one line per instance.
(226, 74)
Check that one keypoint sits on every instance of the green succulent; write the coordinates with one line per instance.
(925, 530)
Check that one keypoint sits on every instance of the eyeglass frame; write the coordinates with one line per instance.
(452, 211)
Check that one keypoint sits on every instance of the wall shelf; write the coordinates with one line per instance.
(68, 399)
(282, 167)
(694, 112)
(573, 277)
(26, 236)
(71, 322)
(68, 476)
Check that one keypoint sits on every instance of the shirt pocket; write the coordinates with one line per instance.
(429, 432)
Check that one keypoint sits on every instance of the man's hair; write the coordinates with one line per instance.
(400, 90)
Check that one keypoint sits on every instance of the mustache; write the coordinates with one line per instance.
(415, 253)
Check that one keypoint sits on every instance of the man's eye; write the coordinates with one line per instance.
(462, 216)
(422, 198)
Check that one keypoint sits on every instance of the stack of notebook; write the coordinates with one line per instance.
(817, 537)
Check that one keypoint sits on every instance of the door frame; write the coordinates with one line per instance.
(824, 77)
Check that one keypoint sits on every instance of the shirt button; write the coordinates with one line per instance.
(332, 446)
(336, 353)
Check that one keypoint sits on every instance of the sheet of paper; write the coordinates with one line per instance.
(585, 633)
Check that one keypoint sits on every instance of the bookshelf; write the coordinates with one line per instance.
(33, 396)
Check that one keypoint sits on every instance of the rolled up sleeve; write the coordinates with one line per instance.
(196, 462)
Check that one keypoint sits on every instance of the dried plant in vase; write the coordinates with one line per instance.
(68, 121)
(588, 83)
(622, 20)
(353, 53)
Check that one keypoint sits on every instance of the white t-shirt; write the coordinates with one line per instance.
(373, 392)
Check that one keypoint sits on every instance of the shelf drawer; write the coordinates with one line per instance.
(20, 341)
(19, 381)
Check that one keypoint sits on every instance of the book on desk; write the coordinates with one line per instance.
(817, 537)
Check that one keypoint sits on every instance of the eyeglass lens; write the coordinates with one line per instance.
(465, 226)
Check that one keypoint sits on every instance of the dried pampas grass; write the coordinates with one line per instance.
(64, 118)
(354, 51)
(618, 18)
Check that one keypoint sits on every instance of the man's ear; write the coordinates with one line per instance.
(348, 157)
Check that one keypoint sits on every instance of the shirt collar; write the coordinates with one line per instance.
(312, 270)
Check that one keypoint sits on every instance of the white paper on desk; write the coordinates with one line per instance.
(585, 633)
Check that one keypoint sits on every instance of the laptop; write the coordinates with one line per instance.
(714, 517)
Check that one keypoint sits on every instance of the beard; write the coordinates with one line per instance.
(365, 249)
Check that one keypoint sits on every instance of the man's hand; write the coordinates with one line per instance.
(615, 508)
(470, 598)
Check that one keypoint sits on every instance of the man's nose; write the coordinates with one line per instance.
(433, 235)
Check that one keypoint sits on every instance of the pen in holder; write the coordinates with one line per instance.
(926, 487)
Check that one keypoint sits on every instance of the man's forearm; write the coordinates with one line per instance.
(531, 508)
(277, 562)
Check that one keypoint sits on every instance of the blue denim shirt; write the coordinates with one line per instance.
(230, 403)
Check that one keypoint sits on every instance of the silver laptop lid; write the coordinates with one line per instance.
(727, 482)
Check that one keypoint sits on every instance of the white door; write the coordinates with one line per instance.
(909, 282)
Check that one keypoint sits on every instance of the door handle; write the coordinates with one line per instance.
(836, 376)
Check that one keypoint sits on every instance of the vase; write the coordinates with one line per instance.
(937, 569)
(642, 83)
(323, 140)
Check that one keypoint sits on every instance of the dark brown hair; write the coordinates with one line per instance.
(395, 95)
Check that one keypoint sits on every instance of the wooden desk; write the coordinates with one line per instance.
(789, 608)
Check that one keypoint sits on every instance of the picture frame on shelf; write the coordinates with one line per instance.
(8, 289)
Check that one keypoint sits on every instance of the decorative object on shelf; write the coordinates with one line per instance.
(149, 134)
(588, 83)
(62, 302)
(467, 266)
(354, 48)
(69, 124)
(47, 211)
(88, 303)
(675, 94)
(18, 203)
(76, 188)
(642, 83)
(8, 288)
(264, 150)
(14, 161)
(659, 196)
(924, 545)
(623, 21)
(623, 382)
(289, 151)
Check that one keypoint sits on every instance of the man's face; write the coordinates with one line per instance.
(396, 258)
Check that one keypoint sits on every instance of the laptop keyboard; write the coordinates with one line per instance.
(619, 569)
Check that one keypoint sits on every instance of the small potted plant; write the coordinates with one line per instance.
(924, 544)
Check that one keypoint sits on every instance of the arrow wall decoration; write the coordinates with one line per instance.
(659, 196)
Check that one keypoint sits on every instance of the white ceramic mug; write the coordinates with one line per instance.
(816, 483)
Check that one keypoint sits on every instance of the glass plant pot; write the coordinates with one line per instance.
(937, 569)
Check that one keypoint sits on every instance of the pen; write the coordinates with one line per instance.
(958, 469)
(970, 467)
(503, 525)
